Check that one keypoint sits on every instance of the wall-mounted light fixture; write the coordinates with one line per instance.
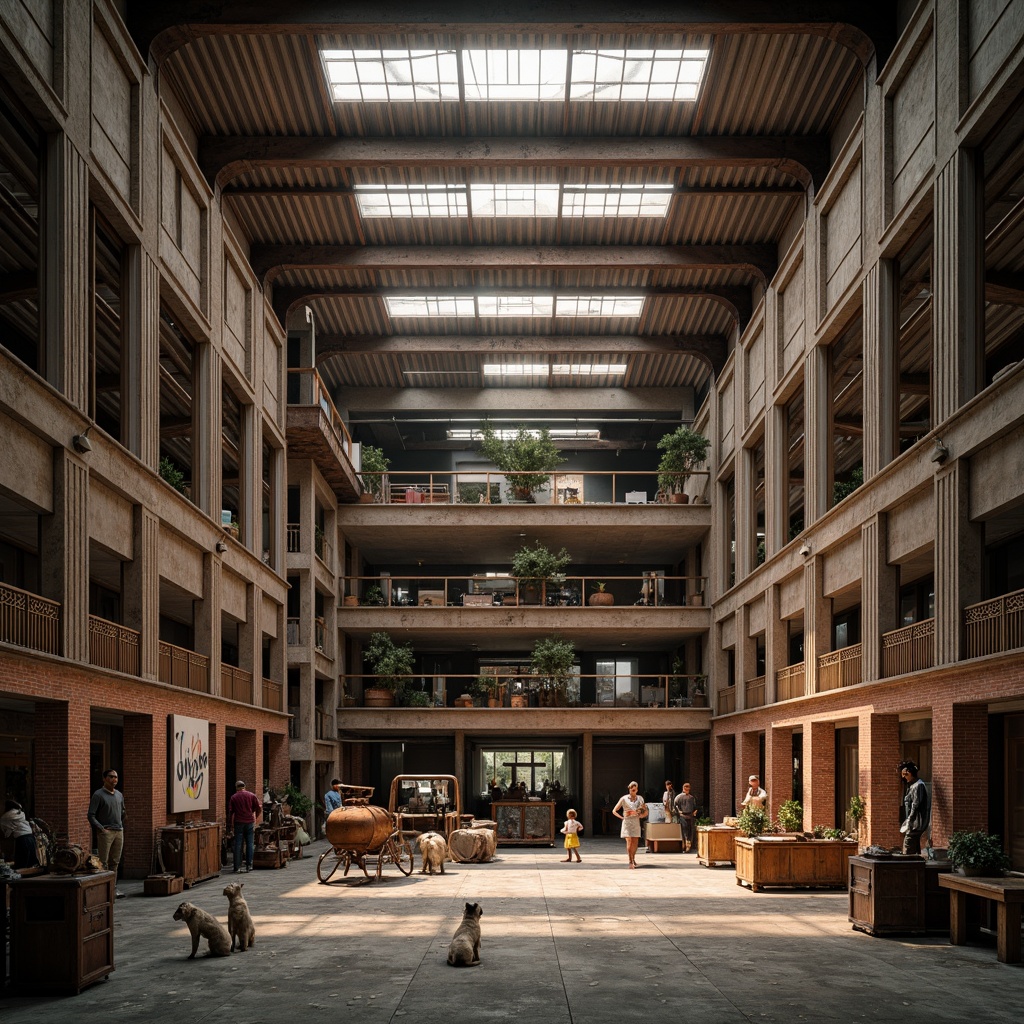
(940, 452)
(221, 547)
(81, 443)
(805, 550)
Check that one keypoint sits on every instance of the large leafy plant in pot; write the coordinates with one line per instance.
(373, 464)
(552, 659)
(535, 567)
(390, 663)
(682, 452)
(530, 454)
(977, 853)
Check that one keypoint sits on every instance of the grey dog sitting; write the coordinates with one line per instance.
(464, 950)
(204, 925)
(240, 926)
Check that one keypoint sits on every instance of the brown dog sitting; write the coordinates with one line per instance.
(464, 950)
(433, 852)
(240, 926)
(204, 925)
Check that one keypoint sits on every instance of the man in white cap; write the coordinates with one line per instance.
(243, 810)
(756, 796)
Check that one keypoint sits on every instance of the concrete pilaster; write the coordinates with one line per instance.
(817, 436)
(878, 392)
(142, 589)
(879, 591)
(817, 620)
(776, 647)
(745, 540)
(460, 761)
(141, 415)
(64, 547)
(746, 655)
(250, 635)
(207, 618)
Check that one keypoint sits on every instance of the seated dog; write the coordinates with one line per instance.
(203, 925)
(464, 950)
(240, 926)
(433, 852)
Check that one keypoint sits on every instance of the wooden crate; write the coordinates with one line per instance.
(813, 863)
(163, 885)
(715, 845)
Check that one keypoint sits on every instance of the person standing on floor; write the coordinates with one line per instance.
(107, 816)
(633, 809)
(756, 796)
(244, 809)
(571, 830)
(686, 810)
(915, 808)
(16, 826)
(668, 799)
(332, 798)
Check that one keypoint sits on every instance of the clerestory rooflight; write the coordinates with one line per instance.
(637, 75)
(390, 76)
(598, 200)
(412, 200)
(560, 369)
(529, 75)
(513, 305)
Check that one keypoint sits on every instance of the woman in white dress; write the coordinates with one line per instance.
(633, 809)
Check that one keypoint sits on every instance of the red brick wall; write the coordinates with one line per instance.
(723, 800)
(878, 744)
(748, 757)
(779, 761)
(819, 774)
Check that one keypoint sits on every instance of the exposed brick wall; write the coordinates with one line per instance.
(959, 770)
(779, 759)
(723, 800)
(878, 744)
(748, 756)
(819, 774)
(144, 784)
(696, 757)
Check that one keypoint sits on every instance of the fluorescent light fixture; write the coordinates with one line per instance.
(515, 200)
(637, 75)
(616, 200)
(412, 200)
(392, 76)
(599, 305)
(528, 75)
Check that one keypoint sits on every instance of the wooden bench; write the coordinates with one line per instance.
(1008, 895)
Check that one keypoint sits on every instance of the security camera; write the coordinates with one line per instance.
(804, 550)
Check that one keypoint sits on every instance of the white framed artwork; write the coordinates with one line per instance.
(188, 764)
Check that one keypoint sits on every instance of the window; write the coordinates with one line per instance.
(846, 368)
(528, 75)
(177, 395)
(412, 200)
(629, 306)
(914, 339)
(388, 76)
(637, 75)
(109, 327)
(618, 682)
(507, 768)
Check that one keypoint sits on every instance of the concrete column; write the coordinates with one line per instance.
(879, 592)
(249, 459)
(717, 668)
(744, 512)
(141, 578)
(776, 481)
(776, 646)
(957, 276)
(64, 233)
(460, 762)
(301, 325)
(207, 618)
(878, 745)
(207, 430)
(140, 402)
(589, 808)
(879, 369)
(62, 787)
(819, 774)
(778, 767)
(746, 655)
(64, 547)
(144, 784)
(817, 436)
(959, 550)
(817, 620)
(250, 640)
(959, 770)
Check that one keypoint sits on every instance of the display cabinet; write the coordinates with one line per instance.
(897, 895)
(192, 851)
(524, 823)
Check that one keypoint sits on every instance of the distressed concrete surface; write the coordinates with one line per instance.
(591, 942)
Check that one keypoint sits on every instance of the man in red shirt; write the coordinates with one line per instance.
(243, 810)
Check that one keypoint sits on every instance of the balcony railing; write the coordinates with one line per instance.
(909, 649)
(323, 550)
(995, 625)
(293, 631)
(182, 667)
(790, 682)
(444, 487)
(840, 668)
(294, 538)
(486, 590)
(113, 646)
(294, 723)
(235, 683)
(272, 695)
(527, 689)
(726, 702)
(325, 728)
(305, 387)
(754, 692)
(28, 620)
(320, 636)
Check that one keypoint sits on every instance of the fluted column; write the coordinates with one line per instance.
(207, 615)
(141, 399)
(142, 589)
(878, 392)
(817, 621)
(879, 591)
(817, 436)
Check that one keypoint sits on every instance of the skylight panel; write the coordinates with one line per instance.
(389, 76)
(588, 369)
(515, 370)
(514, 200)
(515, 305)
(599, 305)
(526, 75)
(616, 200)
(412, 200)
(636, 75)
(430, 305)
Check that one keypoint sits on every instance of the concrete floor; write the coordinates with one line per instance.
(590, 942)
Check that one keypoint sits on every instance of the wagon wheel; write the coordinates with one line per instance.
(324, 874)
(401, 851)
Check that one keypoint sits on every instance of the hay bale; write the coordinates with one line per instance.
(472, 845)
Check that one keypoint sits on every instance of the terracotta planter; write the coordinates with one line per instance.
(518, 700)
(602, 597)
(378, 697)
(366, 498)
(492, 702)
(678, 499)
(350, 601)
(509, 602)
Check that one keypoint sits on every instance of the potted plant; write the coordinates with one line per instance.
(530, 454)
(418, 699)
(553, 659)
(754, 821)
(791, 816)
(490, 687)
(535, 568)
(374, 596)
(700, 690)
(856, 811)
(390, 663)
(977, 853)
(373, 466)
(174, 476)
(682, 451)
(295, 800)
(600, 596)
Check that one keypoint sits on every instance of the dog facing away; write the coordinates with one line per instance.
(240, 926)
(205, 926)
(464, 950)
(433, 852)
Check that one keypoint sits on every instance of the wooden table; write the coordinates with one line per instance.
(1007, 893)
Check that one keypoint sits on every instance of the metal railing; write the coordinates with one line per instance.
(320, 635)
(527, 689)
(725, 703)
(294, 538)
(908, 649)
(306, 387)
(840, 668)
(325, 728)
(322, 549)
(790, 682)
(493, 487)
(753, 693)
(292, 630)
(181, 667)
(272, 693)
(28, 620)
(236, 683)
(113, 646)
(294, 723)
(995, 625)
(488, 590)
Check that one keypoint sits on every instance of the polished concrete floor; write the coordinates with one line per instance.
(590, 943)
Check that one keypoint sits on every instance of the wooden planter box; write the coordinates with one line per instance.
(812, 863)
(714, 845)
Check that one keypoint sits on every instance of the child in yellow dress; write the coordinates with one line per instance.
(571, 830)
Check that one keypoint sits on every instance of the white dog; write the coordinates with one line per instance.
(433, 852)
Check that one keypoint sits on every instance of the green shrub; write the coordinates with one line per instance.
(754, 821)
(977, 850)
(791, 816)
